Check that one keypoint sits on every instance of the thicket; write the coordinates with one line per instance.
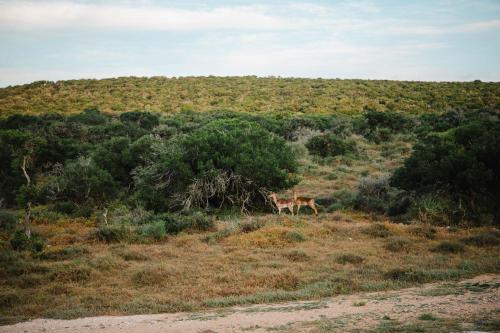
(455, 173)
(187, 160)
(246, 94)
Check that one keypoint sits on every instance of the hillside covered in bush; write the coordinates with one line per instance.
(173, 206)
(250, 94)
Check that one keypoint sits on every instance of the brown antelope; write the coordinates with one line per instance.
(281, 203)
(302, 201)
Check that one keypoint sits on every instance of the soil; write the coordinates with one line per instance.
(356, 312)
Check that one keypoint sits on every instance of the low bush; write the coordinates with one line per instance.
(250, 226)
(174, 224)
(8, 220)
(349, 258)
(483, 239)
(21, 242)
(377, 230)
(218, 236)
(449, 247)
(110, 233)
(373, 194)
(328, 145)
(406, 275)
(396, 244)
(294, 236)
(200, 221)
(155, 230)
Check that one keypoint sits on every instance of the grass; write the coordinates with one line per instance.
(449, 247)
(87, 269)
(261, 266)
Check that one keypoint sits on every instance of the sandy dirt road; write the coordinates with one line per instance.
(352, 312)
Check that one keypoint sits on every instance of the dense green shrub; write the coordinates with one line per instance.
(155, 230)
(373, 194)
(82, 181)
(225, 162)
(460, 167)
(379, 126)
(175, 224)
(21, 242)
(8, 220)
(329, 144)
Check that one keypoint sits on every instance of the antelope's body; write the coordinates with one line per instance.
(303, 201)
(281, 203)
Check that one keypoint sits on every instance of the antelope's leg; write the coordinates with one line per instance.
(290, 208)
(298, 208)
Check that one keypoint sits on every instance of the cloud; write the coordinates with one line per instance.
(69, 15)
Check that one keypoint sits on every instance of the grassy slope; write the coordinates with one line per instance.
(287, 259)
(252, 94)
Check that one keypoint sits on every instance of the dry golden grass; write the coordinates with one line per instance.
(185, 273)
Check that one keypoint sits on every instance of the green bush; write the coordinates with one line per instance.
(110, 233)
(175, 224)
(200, 221)
(326, 145)
(21, 242)
(155, 230)
(460, 167)
(8, 220)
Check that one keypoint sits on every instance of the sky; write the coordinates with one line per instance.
(438, 40)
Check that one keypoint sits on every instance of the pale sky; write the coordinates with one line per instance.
(440, 40)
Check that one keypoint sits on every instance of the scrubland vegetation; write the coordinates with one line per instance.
(109, 212)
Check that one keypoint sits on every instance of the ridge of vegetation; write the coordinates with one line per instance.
(248, 94)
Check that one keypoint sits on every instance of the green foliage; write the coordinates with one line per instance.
(82, 181)
(174, 224)
(155, 230)
(294, 236)
(379, 126)
(110, 233)
(249, 93)
(8, 220)
(329, 144)
(21, 242)
(461, 168)
(226, 161)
